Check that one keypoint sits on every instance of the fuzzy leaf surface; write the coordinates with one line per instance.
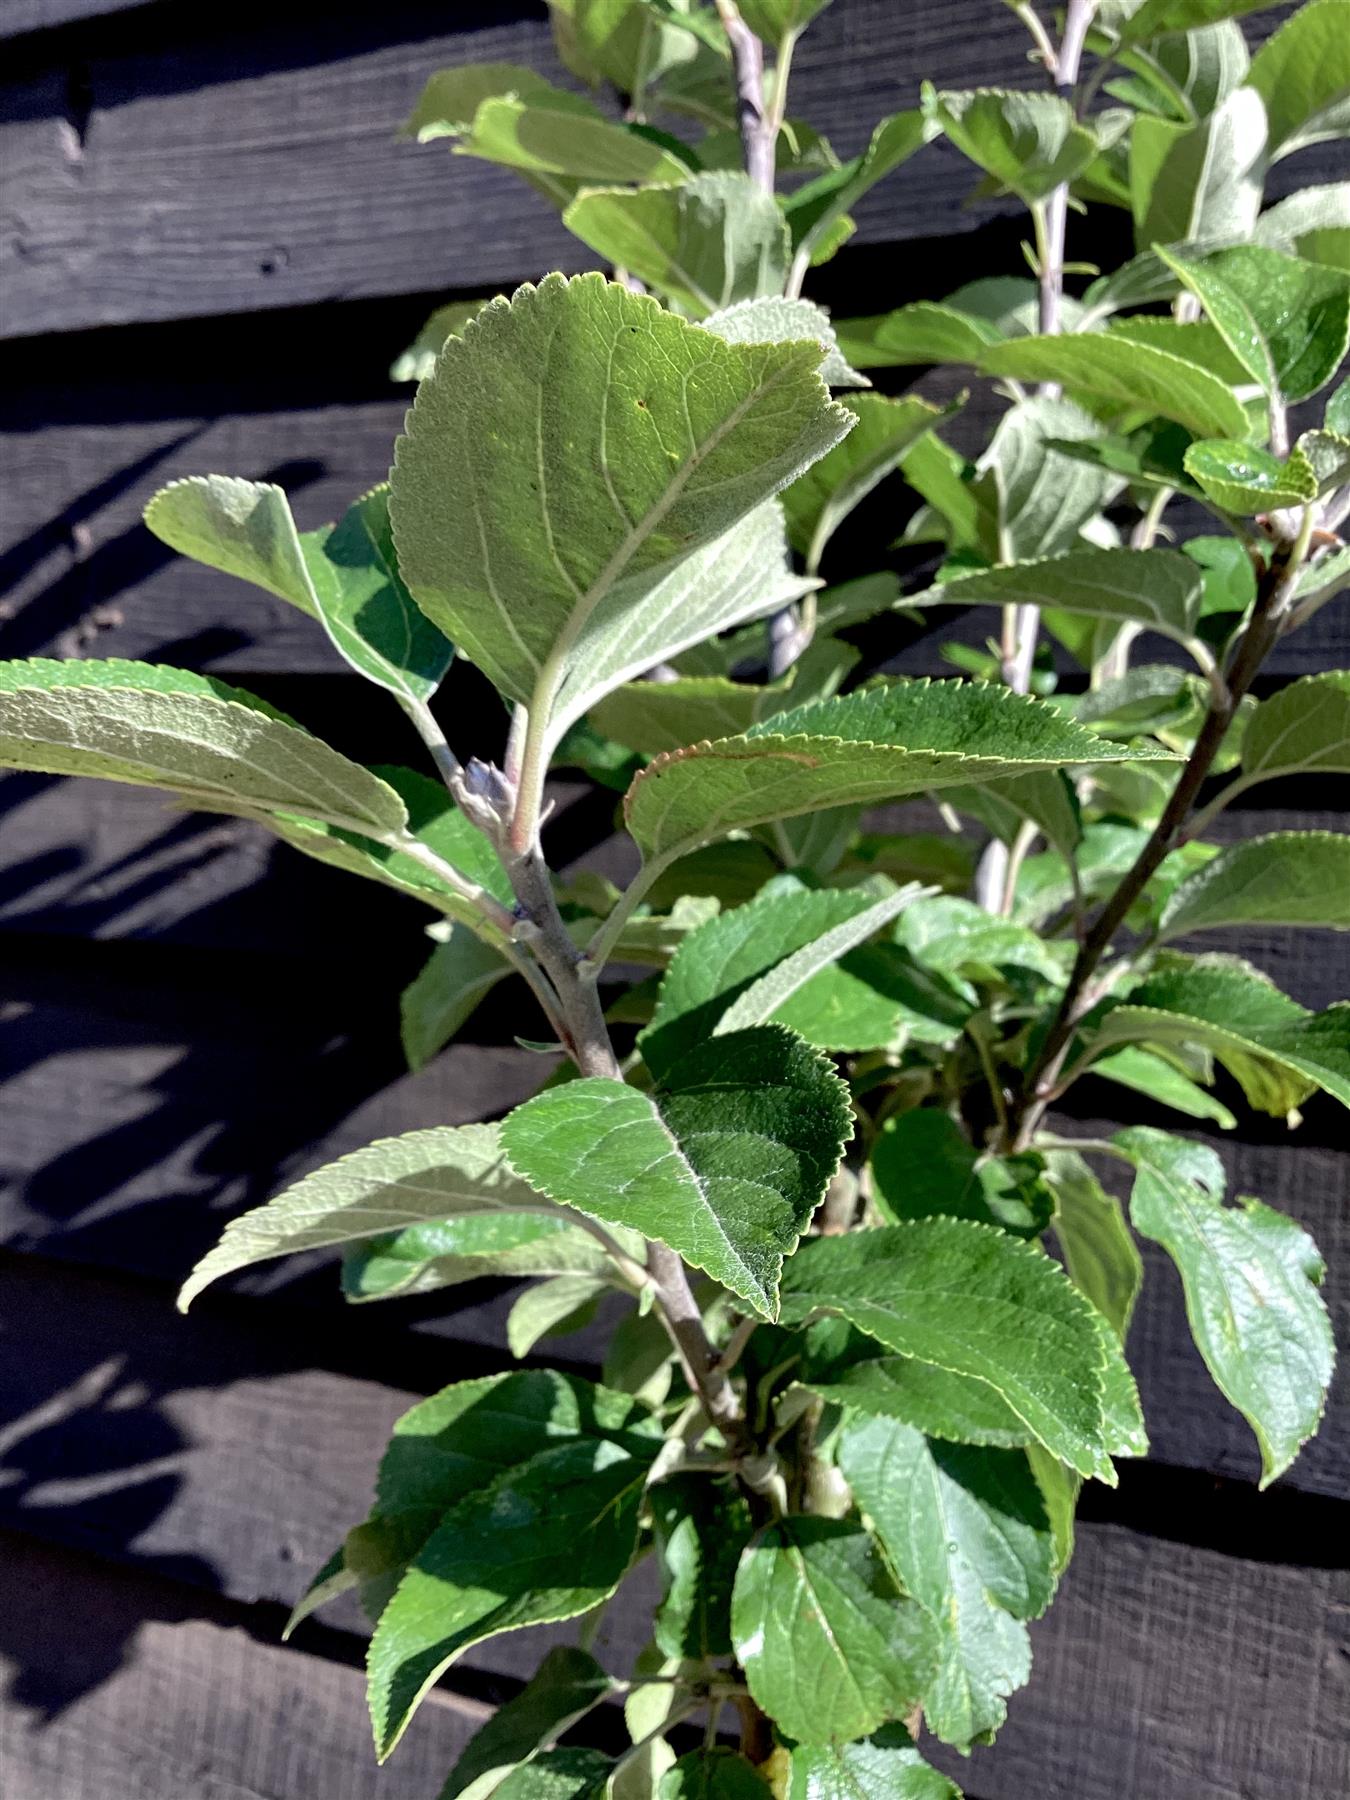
(1250, 1276)
(819, 501)
(975, 1301)
(725, 1162)
(1127, 374)
(830, 1647)
(536, 510)
(215, 746)
(421, 1259)
(873, 745)
(426, 1175)
(1160, 589)
(773, 319)
(1285, 878)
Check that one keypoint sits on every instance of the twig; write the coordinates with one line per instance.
(1262, 630)
(758, 138)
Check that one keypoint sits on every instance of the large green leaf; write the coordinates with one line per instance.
(1276, 1049)
(1303, 75)
(443, 994)
(1031, 498)
(725, 1162)
(215, 746)
(1245, 479)
(967, 1534)
(830, 1647)
(572, 1773)
(1198, 181)
(972, 1300)
(1250, 1276)
(714, 240)
(1230, 316)
(955, 937)
(885, 1766)
(437, 1173)
(873, 745)
(1030, 143)
(1136, 21)
(819, 501)
(818, 208)
(503, 1502)
(243, 528)
(1160, 589)
(565, 1686)
(1302, 309)
(959, 1409)
(1145, 1072)
(776, 320)
(1126, 374)
(1285, 878)
(773, 20)
(539, 509)
(1313, 223)
(747, 959)
(655, 716)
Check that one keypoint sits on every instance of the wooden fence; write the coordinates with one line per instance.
(211, 245)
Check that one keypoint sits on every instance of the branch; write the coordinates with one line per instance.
(1263, 628)
(758, 136)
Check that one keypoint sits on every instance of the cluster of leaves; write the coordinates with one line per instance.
(850, 1396)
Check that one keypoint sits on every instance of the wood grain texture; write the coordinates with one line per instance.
(120, 1686)
(210, 166)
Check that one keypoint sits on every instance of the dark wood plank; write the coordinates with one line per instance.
(120, 1686)
(209, 167)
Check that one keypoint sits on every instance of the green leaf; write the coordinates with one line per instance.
(1313, 224)
(590, 494)
(346, 575)
(1126, 374)
(1146, 1073)
(701, 1529)
(714, 240)
(955, 937)
(556, 1307)
(1230, 316)
(1327, 453)
(1276, 1049)
(445, 991)
(1041, 499)
(776, 320)
(1201, 181)
(570, 1774)
(725, 1163)
(1099, 1252)
(451, 97)
(1303, 727)
(1284, 878)
(959, 1409)
(819, 501)
(1156, 18)
(438, 1173)
(421, 1259)
(551, 135)
(816, 211)
(1303, 75)
(1250, 1276)
(217, 747)
(1160, 589)
(1029, 143)
(923, 332)
(565, 1686)
(772, 957)
(967, 1535)
(923, 1166)
(655, 716)
(633, 44)
(830, 1647)
(1302, 309)
(716, 1774)
(773, 20)
(543, 1479)
(874, 745)
(1243, 478)
(419, 359)
(977, 1302)
(885, 1766)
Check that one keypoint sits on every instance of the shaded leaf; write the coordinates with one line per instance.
(701, 1529)
(1284, 878)
(922, 332)
(716, 1774)
(421, 1259)
(819, 501)
(1198, 181)
(1243, 478)
(419, 359)
(817, 210)
(1305, 726)
(563, 1304)
(1302, 309)
(1099, 1252)
(445, 992)
(924, 1166)
(885, 1766)
(1030, 143)
(1160, 589)
(565, 1686)
(1128, 374)
(1147, 1073)
(1303, 75)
